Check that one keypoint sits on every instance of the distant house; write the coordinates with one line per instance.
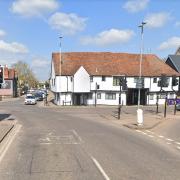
(9, 87)
(174, 60)
(86, 78)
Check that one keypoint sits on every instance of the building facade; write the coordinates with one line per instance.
(9, 87)
(90, 78)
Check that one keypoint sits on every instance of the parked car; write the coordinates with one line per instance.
(178, 107)
(30, 100)
(39, 96)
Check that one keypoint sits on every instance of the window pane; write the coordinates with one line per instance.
(98, 95)
(115, 81)
(151, 97)
(154, 80)
(110, 96)
(103, 78)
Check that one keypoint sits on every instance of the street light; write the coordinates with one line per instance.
(60, 57)
(140, 111)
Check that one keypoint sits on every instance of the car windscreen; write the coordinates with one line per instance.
(30, 97)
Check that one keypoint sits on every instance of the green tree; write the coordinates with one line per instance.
(26, 77)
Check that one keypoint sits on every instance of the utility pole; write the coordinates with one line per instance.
(60, 56)
(140, 111)
(119, 107)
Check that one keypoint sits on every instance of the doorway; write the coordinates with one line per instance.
(132, 96)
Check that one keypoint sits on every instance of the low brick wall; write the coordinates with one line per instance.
(6, 92)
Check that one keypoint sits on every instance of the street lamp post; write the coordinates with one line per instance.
(140, 111)
(60, 57)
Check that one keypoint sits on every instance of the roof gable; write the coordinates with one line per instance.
(175, 59)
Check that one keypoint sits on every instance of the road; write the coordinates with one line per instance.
(77, 144)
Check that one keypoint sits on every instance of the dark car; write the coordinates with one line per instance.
(38, 96)
(178, 107)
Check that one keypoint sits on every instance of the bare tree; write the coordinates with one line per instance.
(26, 77)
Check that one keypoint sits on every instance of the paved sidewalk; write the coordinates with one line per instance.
(9, 99)
(127, 119)
(7, 123)
(150, 121)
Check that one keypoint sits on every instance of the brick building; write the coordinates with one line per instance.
(9, 87)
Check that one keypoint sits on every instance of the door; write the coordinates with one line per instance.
(132, 96)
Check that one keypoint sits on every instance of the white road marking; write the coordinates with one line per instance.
(177, 143)
(169, 139)
(178, 147)
(138, 131)
(100, 168)
(45, 143)
(151, 136)
(47, 139)
(168, 143)
(148, 131)
(9, 141)
(161, 136)
(144, 133)
(77, 136)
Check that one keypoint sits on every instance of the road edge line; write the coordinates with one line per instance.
(99, 167)
(8, 142)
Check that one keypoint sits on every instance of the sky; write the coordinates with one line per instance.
(30, 29)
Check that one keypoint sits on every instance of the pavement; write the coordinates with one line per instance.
(7, 123)
(150, 121)
(127, 119)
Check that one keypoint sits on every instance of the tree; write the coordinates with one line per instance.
(26, 77)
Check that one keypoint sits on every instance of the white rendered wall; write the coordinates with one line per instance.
(104, 101)
(81, 81)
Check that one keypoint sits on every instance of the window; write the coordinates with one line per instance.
(162, 96)
(154, 80)
(151, 96)
(103, 78)
(98, 95)
(111, 96)
(136, 80)
(54, 82)
(91, 78)
(71, 78)
(171, 95)
(115, 81)
(90, 96)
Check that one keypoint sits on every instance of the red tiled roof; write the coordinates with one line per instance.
(109, 64)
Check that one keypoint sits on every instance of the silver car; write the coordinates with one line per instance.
(30, 100)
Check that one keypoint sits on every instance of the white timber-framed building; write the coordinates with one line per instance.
(75, 79)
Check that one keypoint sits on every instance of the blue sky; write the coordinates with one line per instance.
(29, 29)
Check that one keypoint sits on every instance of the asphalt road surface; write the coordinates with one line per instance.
(77, 144)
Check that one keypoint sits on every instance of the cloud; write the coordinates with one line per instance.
(2, 33)
(40, 63)
(67, 23)
(13, 47)
(30, 8)
(173, 42)
(109, 37)
(41, 67)
(157, 20)
(134, 6)
(8, 62)
(177, 24)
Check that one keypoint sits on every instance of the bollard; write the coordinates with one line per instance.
(140, 117)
